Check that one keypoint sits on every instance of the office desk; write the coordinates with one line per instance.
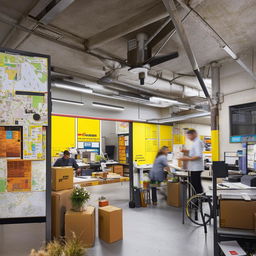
(90, 181)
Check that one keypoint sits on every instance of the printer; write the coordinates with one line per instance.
(249, 180)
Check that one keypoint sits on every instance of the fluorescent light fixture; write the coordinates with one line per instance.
(164, 100)
(107, 106)
(230, 52)
(68, 102)
(73, 88)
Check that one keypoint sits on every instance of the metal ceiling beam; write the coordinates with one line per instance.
(53, 9)
(173, 12)
(46, 15)
(168, 20)
(213, 33)
(149, 16)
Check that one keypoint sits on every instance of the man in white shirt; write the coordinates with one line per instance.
(195, 160)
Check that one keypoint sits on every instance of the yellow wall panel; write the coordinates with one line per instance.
(165, 132)
(63, 134)
(88, 130)
(139, 133)
(147, 139)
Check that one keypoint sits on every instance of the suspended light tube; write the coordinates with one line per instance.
(107, 106)
(68, 102)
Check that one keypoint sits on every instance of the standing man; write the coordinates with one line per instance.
(195, 160)
(67, 161)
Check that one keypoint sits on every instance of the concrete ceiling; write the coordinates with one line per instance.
(105, 26)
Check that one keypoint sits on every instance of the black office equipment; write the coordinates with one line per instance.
(110, 150)
(234, 178)
(137, 197)
(249, 180)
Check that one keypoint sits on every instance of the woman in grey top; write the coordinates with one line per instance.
(159, 171)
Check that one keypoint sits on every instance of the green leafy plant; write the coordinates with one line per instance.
(79, 197)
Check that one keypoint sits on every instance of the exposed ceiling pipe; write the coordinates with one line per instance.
(173, 12)
(212, 32)
(114, 96)
(179, 118)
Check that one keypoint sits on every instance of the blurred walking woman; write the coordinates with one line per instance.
(159, 171)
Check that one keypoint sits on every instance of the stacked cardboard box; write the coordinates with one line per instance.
(62, 178)
(82, 224)
(62, 186)
(119, 169)
(60, 204)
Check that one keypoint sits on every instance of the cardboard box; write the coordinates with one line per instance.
(174, 194)
(82, 224)
(255, 222)
(60, 204)
(110, 224)
(102, 175)
(62, 178)
(119, 169)
(237, 214)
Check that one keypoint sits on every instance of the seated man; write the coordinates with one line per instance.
(67, 161)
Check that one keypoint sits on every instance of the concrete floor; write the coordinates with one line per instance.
(147, 231)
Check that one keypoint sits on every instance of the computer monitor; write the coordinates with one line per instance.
(110, 150)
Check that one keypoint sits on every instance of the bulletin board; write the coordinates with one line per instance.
(147, 139)
(25, 130)
(88, 130)
(63, 134)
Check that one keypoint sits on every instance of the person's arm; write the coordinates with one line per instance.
(166, 165)
(188, 158)
(198, 153)
(75, 165)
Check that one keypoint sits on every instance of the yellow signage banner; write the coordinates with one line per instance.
(63, 134)
(88, 130)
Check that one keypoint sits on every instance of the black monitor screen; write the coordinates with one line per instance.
(243, 119)
(110, 150)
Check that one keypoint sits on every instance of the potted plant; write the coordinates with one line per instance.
(79, 197)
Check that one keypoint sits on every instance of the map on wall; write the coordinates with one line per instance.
(23, 90)
(23, 204)
(23, 122)
(33, 142)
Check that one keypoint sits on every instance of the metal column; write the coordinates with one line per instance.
(131, 176)
(215, 73)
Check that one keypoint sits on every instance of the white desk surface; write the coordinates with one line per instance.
(78, 180)
(80, 164)
(111, 162)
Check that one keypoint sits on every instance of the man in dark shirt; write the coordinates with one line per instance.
(67, 161)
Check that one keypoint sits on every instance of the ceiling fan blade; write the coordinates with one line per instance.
(158, 60)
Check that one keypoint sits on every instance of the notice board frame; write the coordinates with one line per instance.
(47, 218)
